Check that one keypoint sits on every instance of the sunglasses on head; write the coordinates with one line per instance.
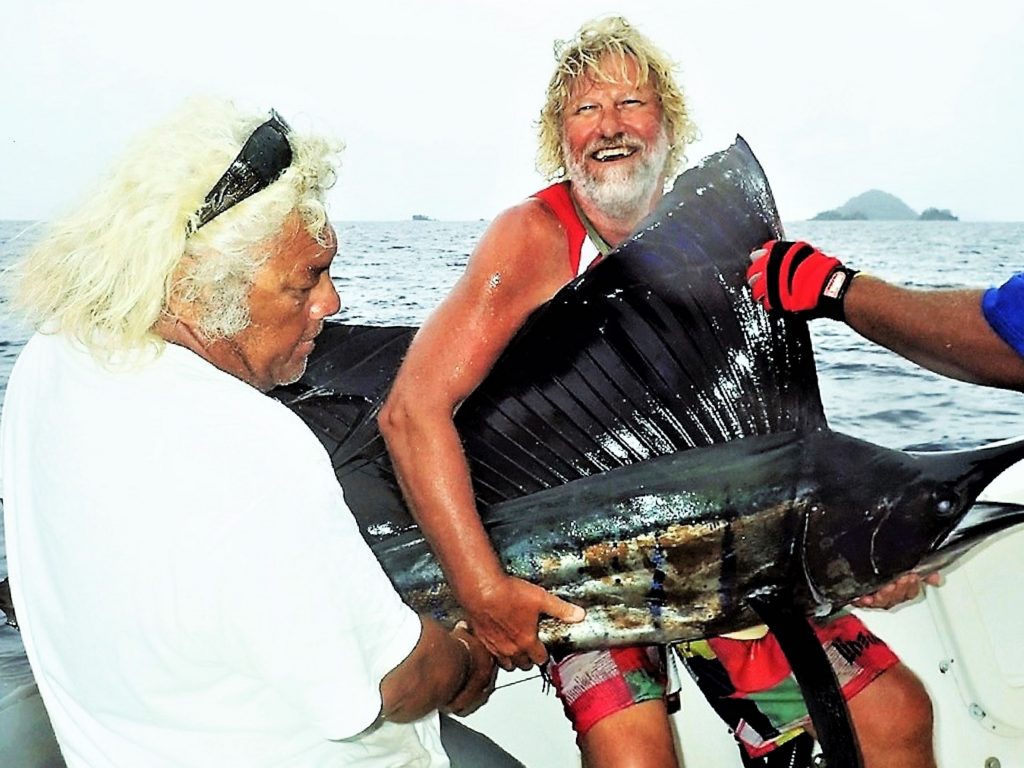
(265, 155)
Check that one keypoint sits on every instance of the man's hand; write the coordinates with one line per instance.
(505, 613)
(905, 588)
(798, 278)
(480, 676)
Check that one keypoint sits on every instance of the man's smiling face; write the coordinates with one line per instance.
(614, 141)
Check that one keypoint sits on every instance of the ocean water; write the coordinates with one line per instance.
(396, 272)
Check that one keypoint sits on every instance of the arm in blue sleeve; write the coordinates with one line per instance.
(1003, 308)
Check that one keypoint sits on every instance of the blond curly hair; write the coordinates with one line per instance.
(597, 44)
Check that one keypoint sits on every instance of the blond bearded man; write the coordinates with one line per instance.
(612, 133)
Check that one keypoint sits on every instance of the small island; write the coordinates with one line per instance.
(876, 205)
(937, 214)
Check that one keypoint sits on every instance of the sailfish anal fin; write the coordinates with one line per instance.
(815, 676)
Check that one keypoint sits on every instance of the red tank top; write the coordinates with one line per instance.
(557, 198)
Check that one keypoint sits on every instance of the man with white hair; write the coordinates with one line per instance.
(612, 133)
(191, 588)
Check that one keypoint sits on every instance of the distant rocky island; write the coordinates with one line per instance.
(937, 214)
(876, 205)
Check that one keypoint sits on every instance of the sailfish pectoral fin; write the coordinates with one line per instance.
(817, 680)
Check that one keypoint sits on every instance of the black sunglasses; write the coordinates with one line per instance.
(265, 155)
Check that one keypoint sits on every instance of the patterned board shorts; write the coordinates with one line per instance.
(748, 682)
(596, 684)
(751, 686)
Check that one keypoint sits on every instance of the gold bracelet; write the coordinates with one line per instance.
(467, 666)
(465, 644)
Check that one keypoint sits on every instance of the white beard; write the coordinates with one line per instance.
(622, 192)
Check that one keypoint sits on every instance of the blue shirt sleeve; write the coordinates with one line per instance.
(1004, 310)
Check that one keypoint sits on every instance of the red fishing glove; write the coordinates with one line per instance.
(798, 278)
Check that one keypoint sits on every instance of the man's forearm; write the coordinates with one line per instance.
(434, 476)
(944, 331)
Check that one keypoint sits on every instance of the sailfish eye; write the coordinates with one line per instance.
(944, 502)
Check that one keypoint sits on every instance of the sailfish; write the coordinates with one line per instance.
(652, 446)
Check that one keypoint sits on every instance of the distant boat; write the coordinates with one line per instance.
(420, 217)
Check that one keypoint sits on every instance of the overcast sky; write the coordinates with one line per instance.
(436, 100)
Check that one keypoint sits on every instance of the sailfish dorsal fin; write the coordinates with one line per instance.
(657, 349)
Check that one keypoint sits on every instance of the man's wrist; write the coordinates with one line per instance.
(833, 297)
(477, 591)
(466, 665)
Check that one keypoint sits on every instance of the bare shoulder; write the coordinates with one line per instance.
(520, 262)
(527, 237)
(532, 217)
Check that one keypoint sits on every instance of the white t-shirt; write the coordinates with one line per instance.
(191, 588)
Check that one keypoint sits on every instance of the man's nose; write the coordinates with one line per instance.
(328, 303)
(611, 123)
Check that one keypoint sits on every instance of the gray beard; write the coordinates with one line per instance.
(622, 193)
